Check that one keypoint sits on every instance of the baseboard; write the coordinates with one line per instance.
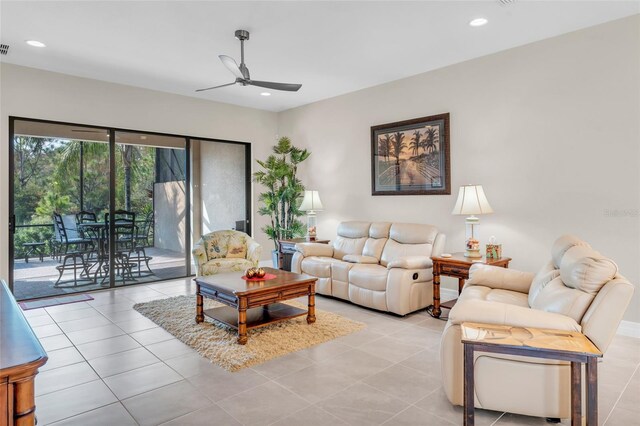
(626, 328)
(629, 328)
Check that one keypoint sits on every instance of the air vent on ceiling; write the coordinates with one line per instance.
(4, 49)
(507, 2)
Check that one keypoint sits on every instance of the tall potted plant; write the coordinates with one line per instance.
(281, 200)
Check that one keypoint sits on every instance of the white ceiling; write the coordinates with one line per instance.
(330, 47)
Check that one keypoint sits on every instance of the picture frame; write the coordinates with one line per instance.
(419, 164)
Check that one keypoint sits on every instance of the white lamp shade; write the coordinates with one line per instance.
(471, 200)
(311, 202)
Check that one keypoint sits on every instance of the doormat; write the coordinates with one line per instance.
(53, 301)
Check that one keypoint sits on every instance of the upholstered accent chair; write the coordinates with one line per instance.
(225, 251)
(577, 290)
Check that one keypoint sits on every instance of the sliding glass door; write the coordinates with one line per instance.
(59, 173)
(95, 208)
(221, 177)
(151, 187)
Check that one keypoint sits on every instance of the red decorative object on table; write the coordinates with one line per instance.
(266, 277)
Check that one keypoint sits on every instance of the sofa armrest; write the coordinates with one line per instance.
(314, 249)
(500, 278)
(254, 251)
(504, 314)
(411, 262)
(200, 257)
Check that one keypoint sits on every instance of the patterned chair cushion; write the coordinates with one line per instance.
(237, 248)
(217, 244)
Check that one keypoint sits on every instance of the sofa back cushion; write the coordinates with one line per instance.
(570, 281)
(408, 239)
(373, 247)
(351, 238)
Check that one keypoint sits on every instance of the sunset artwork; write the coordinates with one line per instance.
(411, 157)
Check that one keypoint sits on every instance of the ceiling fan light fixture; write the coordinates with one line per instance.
(478, 22)
(35, 43)
(241, 72)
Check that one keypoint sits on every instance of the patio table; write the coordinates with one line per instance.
(98, 232)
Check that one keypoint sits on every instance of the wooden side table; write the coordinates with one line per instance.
(539, 343)
(457, 266)
(287, 247)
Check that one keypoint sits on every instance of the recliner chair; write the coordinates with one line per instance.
(578, 290)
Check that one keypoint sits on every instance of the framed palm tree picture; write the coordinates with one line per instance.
(411, 157)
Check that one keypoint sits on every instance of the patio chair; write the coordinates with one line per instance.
(67, 234)
(72, 260)
(139, 253)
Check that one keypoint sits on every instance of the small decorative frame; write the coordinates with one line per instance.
(411, 157)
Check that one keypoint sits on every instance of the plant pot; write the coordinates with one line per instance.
(275, 257)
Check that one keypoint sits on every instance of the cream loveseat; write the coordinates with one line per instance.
(578, 290)
(380, 265)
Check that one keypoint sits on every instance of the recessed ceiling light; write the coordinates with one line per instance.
(265, 94)
(478, 22)
(36, 43)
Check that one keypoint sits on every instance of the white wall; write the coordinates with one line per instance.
(551, 130)
(27, 92)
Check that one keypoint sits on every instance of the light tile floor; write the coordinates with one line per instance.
(108, 365)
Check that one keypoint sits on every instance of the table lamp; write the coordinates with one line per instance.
(311, 204)
(472, 201)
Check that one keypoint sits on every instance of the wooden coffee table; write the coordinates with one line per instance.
(251, 304)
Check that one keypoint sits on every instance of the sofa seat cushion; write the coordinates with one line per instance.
(370, 277)
(215, 266)
(480, 292)
(318, 266)
(355, 258)
(340, 271)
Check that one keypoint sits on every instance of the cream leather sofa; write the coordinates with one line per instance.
(578, 290)
(380, 265)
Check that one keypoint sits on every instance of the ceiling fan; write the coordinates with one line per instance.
(242, 72)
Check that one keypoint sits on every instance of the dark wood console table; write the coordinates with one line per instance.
(20, 357)
(286, 248)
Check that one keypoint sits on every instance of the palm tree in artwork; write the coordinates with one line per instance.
(383, 150)
(416, 142)
(386, 145)
(398, 146)
(430, 142)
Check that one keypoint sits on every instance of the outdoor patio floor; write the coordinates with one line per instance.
(36, 279)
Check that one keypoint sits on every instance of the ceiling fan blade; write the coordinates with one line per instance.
(275, 86)
(216, 87)
(231, 65)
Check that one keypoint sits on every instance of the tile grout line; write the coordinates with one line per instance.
(626, 386)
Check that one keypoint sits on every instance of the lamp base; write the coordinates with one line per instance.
(472, 253)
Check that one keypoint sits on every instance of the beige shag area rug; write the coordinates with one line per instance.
(217, 341)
